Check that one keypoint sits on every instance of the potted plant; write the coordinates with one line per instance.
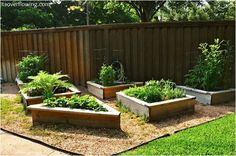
(46, 85)
(77, 110)
(156, 100)
(210, 80)
(29, 66)
(110, 81)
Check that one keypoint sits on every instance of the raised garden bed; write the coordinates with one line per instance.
(19, 83)
(78, 117)
(157, 111)
(210, 97)
(30, 100)
(106, 92)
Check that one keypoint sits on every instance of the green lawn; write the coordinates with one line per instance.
(214, 138)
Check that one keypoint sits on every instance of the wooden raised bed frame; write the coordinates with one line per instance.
(19, 83)
(106, 92)
(210, 97)
(31, 100)
(77, 117)
(157, 111)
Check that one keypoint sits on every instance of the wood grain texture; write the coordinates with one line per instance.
(77, 119)
(147, 50)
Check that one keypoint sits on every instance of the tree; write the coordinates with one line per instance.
(106, 11)
(221, 10)
(146, 9)
(197, 10)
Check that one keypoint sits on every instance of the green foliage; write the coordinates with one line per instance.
(45, 84)
(67, 13)
(154, 91)
(107, 75)
(197, 11)
(80, 102)
(214, 138)
(11, 110)
(30, 66)
(122, 108)
(214, 68)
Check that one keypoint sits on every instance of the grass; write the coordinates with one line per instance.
(13, 107)
(214, 138)
(191, 141)
(12, 112)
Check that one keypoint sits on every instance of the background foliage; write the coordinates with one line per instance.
(70, 13)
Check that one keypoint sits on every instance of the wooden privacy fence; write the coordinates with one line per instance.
(147, 50)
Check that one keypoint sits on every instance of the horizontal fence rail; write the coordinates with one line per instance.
(147, 50)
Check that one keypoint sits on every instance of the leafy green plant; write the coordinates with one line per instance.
(214, 68)
(46, 84)
(154, 91)
(75, 101)
(107, 75)
(30, 66)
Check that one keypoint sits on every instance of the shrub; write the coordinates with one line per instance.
(154, 91)
(45, 84)
(30, 66)
(107, 75)
(214, 68)
(80, 102)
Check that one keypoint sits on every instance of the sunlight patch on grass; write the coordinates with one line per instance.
(214, 138)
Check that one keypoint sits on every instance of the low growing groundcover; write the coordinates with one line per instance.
(99, 141)
(214, 138)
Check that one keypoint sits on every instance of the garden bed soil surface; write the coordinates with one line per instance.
(30, 100)
(157, 111)
(210, 97)
(89, 141)
(106, 92)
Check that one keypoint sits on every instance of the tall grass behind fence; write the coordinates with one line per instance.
(147, 51)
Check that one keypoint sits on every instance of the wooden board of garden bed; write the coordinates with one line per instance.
(101, 141)
(158, 111)
(210, 97)
(19, 83)
(106, 92)
(31, 100)
(78, 117)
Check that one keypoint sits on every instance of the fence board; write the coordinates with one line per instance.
(147, 50)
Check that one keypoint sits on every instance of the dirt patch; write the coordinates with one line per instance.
(9, 90)
(133, 131)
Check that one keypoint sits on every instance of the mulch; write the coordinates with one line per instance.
(134, 131)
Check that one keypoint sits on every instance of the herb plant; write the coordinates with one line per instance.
(46, 84)
(154, 91)
(30, 66)
(214, 68)
(107, 75)
(80, 102)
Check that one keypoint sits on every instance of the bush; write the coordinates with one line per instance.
(107, 75)
(214, 68)
(154, 91)
(30, 66)
(80, 102)
(46, 84)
